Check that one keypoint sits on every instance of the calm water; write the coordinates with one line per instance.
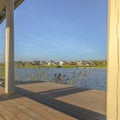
(92, 78)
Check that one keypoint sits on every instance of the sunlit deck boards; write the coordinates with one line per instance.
(50, 101)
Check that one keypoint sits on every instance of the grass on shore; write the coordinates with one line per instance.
(57, 66)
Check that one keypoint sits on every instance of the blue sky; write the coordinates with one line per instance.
(59, 30)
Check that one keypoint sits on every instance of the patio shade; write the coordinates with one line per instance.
(3, 8)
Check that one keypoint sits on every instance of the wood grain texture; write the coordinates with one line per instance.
(113, 83)
(51, 101)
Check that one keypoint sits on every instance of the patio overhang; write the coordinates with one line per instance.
(3, 8)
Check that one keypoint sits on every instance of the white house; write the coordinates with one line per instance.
(61, 63)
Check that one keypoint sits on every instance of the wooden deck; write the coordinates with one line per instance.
(51, 101)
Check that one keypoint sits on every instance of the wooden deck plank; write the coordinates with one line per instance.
(91, 100)
(26, 110)
(1, 90)
(43, 110)
(6, 113)
(1, 117)
(51, 101)
(18, 113)
(49, 98)
(42, 87)
(74, 111)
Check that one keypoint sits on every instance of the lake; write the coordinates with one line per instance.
(93, 78)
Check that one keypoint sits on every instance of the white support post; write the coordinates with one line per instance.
(9, 57)
(113, 75)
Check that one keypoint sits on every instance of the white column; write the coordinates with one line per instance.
(113, 76)
(9, 57)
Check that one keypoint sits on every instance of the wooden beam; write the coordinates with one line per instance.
(3, 8)
(2, 4)
(113, 75)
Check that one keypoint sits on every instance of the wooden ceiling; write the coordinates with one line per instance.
(3, 8)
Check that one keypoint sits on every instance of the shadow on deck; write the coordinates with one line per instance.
(75, 102)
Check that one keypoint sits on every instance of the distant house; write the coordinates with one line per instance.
(18, 63)
(91, 62)
(72, 63)
(27, 63)
(87, 64)
(43, 63)
(61, 63)
(51, 63)
(83, 63)
(80, 63)
(2, 63)
(36, 62)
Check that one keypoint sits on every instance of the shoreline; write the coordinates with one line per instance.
(66, 67)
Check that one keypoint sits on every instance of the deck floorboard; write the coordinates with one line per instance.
(51, 101)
